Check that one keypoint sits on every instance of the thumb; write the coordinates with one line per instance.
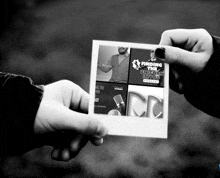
(196, 61)
(53, 116)
(81, 123)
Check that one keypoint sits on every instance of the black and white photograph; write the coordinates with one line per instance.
(46, 49)
(138, 106)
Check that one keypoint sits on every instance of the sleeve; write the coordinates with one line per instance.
(109, 62)
(203, 89)
(106, 67)
(19, 102)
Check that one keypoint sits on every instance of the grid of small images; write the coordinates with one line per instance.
(129, 82)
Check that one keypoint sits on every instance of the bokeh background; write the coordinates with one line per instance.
(50, 40)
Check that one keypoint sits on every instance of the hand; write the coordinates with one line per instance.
(100, 65)
(187, 51)
(60, 118)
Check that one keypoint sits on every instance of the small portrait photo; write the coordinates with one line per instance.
(113, 64)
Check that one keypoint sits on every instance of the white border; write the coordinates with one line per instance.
(127, 125)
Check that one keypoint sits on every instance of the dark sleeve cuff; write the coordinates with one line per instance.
(19, 103)
(203, 90)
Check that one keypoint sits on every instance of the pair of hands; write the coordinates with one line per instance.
(62, 112)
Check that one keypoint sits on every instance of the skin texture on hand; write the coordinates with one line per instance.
(187, 51)
(62, 117)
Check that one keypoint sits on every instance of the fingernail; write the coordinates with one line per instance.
(99, 142)
(74, 146)
(55, 154)
(160, 53)
(65, 155)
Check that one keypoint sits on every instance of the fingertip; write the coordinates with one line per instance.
(65, 155)
(101, 130)
(61, 155)
(78, 143)
(55, 154)
(96, 141)
(160, 53)
(75, 146)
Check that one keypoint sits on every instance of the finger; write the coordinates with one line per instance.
(181, 88)
(79, 100)
(78, 143)
(75, 147)
(196, 45)
(177, 86)
(55, 153)
(186, 38)
(66, 151)
(72, 95)
(65, 155)
(60, 154)
(66, 119)
(60, 150)
(178, 37)
(174, 72)
(174, 55)
(173, 80)
(96, 141)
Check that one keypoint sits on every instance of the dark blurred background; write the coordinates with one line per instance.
(50, 40)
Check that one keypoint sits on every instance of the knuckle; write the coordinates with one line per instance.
(165, 34)
(202, 64)
(93, 127)
(203, 33)
(168, 33)
(66, 83)
(202, 30)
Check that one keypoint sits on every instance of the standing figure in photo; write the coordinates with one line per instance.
(118, 63)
